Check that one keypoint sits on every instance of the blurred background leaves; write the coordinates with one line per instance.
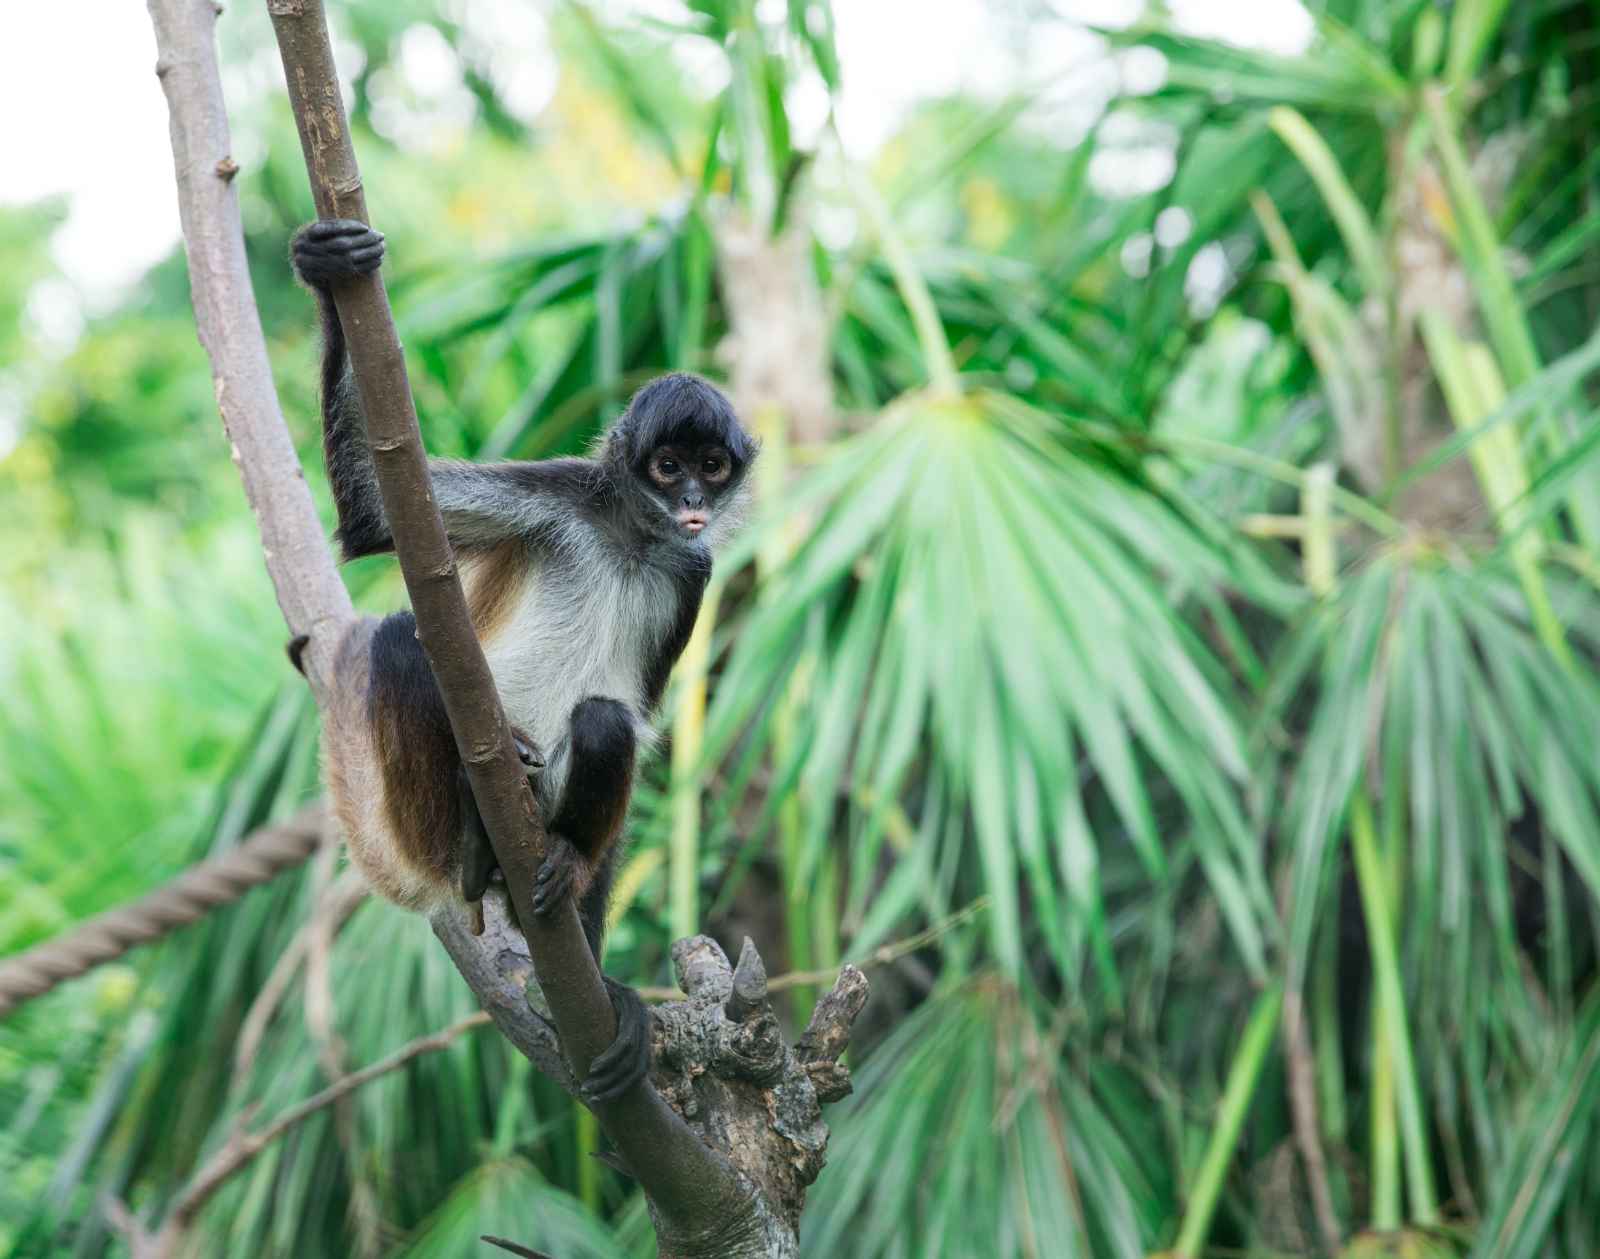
(1177, 537)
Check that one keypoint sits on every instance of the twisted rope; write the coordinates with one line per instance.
(261, 856)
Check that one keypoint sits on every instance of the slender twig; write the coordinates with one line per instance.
(346, 895)
(514, 1247)
(366, 1215)
(242, 1147)
(1302, 1080)
(883, 955)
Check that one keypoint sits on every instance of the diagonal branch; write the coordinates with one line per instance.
(243, 1146)
(240, 1149)
(678, 1172)
(307, 584)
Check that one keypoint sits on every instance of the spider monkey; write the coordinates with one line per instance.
(583, 578)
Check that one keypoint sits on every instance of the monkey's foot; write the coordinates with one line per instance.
(558, 877)
(331, 250)
(626, 1059)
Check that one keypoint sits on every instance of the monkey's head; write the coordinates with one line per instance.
(684, 449)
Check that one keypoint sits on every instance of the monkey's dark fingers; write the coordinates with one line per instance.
(323, 260)
(321, 273)
(554, 882)
(365, 261)
(626, 1060)
(327, 229)
(338, 246)
(349, 251)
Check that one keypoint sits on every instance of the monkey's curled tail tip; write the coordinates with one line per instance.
(297, 648)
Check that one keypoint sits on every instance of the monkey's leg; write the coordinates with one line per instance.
(593, 802)
(582, 859)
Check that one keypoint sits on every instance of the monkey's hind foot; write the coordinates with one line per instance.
(331, 250)
(563, 874)
(626, 1060)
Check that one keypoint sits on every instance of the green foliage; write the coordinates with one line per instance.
(1070, 621)
(971, 1134)
(1054, 563)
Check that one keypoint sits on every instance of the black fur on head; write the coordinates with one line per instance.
(678, 409)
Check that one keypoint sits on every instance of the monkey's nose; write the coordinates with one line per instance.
(694, 502)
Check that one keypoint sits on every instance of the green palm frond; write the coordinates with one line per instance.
(979, 616)
(969, 1135)
(1434, 687)
(1542, 1174)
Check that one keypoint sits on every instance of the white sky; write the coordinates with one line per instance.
(84, 114)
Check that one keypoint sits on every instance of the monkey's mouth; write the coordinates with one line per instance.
(693, 521)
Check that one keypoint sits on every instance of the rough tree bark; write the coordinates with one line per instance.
(309, 591)
(725, 1149)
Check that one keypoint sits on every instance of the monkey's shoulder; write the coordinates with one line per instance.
(569, 480)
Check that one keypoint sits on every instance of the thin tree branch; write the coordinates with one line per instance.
(242, 1147)
(685, 1180)
(514, 1247)
(345, 896)
(1303, 1110)
(307, 585)
(883, 955)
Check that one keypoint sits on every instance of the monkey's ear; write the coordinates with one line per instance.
(622, 444)
(745, 446)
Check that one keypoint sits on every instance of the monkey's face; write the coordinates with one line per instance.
(689, 480)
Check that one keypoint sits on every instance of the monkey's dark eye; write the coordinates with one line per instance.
(668, 467)
(714, 465)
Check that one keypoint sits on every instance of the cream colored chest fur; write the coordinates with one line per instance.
(568, 636)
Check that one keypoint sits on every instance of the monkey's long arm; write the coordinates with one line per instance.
(481, 504)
